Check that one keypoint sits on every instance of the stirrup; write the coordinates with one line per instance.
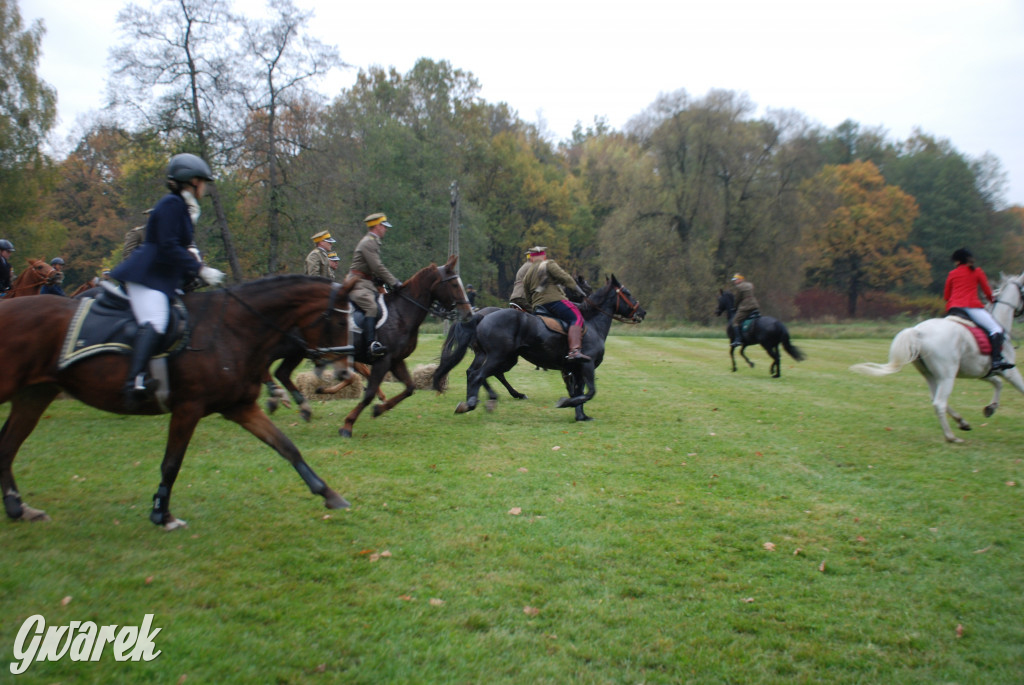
(1001, 365)
(377, 349)
(576, 355)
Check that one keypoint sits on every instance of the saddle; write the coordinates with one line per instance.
(748, 325)
(980, 335)
(105, 324)
(554, 325)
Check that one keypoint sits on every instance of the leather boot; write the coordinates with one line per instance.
(735, 340)
(998, 363)
(575, 335)
(375, 347)
(140, 387)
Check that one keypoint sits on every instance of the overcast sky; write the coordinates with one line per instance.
(953, 68)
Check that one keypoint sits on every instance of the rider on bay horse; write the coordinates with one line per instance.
(6, 272)
(368, 267)
(163, 265)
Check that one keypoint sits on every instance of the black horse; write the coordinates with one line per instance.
(766, 331)
(500, 337)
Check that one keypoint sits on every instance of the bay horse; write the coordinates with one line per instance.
(31, 280)
(233, 333)
(406, 309)
(766, 331)
(943, 349)
(499, 338)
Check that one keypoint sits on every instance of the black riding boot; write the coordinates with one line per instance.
(734, 333)
(375, 347)
(998, 363)
(140, 387)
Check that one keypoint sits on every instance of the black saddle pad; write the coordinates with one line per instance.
(105, 324)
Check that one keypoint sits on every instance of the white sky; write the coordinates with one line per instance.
(953, 68)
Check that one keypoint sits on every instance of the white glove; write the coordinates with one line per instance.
(195, 253)
(211, 276)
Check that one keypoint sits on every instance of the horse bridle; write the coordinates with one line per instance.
(440, 311)
(27, 286)
(621, 318)
(1019, 310)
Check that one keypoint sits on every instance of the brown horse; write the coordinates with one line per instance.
(406, 309)
(234, 332)
(31, 280)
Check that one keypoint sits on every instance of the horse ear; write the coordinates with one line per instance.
(452, 261)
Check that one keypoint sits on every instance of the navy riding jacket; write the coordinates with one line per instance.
(163, 261)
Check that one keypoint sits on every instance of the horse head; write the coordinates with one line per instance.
(616, 297)
(726, 303)
(29, 281)
(448, 290)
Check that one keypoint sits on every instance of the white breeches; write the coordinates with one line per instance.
(149, 306)
(983, 318)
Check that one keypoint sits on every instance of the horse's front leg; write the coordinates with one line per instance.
(743, 353)
(732, 357)
(508, 386)
(256, 422)
(377, 373)
(179, 433)
(27, 406)
(283, 373)
(997, 383)
(401, 373)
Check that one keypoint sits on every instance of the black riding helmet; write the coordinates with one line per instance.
(962, 256)
(6, 245)
(186, 166)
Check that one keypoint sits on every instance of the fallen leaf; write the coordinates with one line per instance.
(861, 538)
(1011, 483)
(822, 567)
(523, 469)
(435, 602)
(374, 557)
(983, 550)
(183, 678)
(149, 579)
(556, 448)
(748, 600)
(386, 553)
(531, 611)
(797, 551)
(770, 546)
(406, 598)
(64, 602)
(515, 511)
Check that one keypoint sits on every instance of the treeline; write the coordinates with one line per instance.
(690, 191)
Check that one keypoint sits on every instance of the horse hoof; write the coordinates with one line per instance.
(33, 515)
(491, 405)
(378, 409)
(990, 410)
(306, 415)
(336, 501)
(562, 403)
(271, 406)
(520, 396)
(585, 418)
(344, 432)
(463, 408)
(175, 524)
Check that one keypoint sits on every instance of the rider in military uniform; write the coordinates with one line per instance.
(368, 267)
(746, 304)
(541, 284)
(317, 262)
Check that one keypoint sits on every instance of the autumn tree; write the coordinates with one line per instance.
(857, 232)
(285, 61)
(175, 73)
(28, 110)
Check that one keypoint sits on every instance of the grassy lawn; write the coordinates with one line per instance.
(707, 527)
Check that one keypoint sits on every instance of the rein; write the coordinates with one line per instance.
(441, 311)
(1019, 309)
(621, 318)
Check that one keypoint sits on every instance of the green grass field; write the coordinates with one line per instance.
(707, 527)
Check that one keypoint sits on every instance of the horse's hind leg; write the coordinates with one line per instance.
(776, 368)
(27, 406)
(941, 390)
(256, 422)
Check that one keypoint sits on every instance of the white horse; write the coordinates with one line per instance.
(943, 349)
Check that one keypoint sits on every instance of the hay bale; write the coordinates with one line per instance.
(423, 377)
(307, 383)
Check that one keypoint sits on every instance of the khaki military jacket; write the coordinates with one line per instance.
(317, 264)
(518, 292)
(132, 239)
(746, 303)
(366, 262)
(542, 280)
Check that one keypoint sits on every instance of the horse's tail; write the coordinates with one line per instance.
(794, 351)
(905, 349)
(460, 336)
